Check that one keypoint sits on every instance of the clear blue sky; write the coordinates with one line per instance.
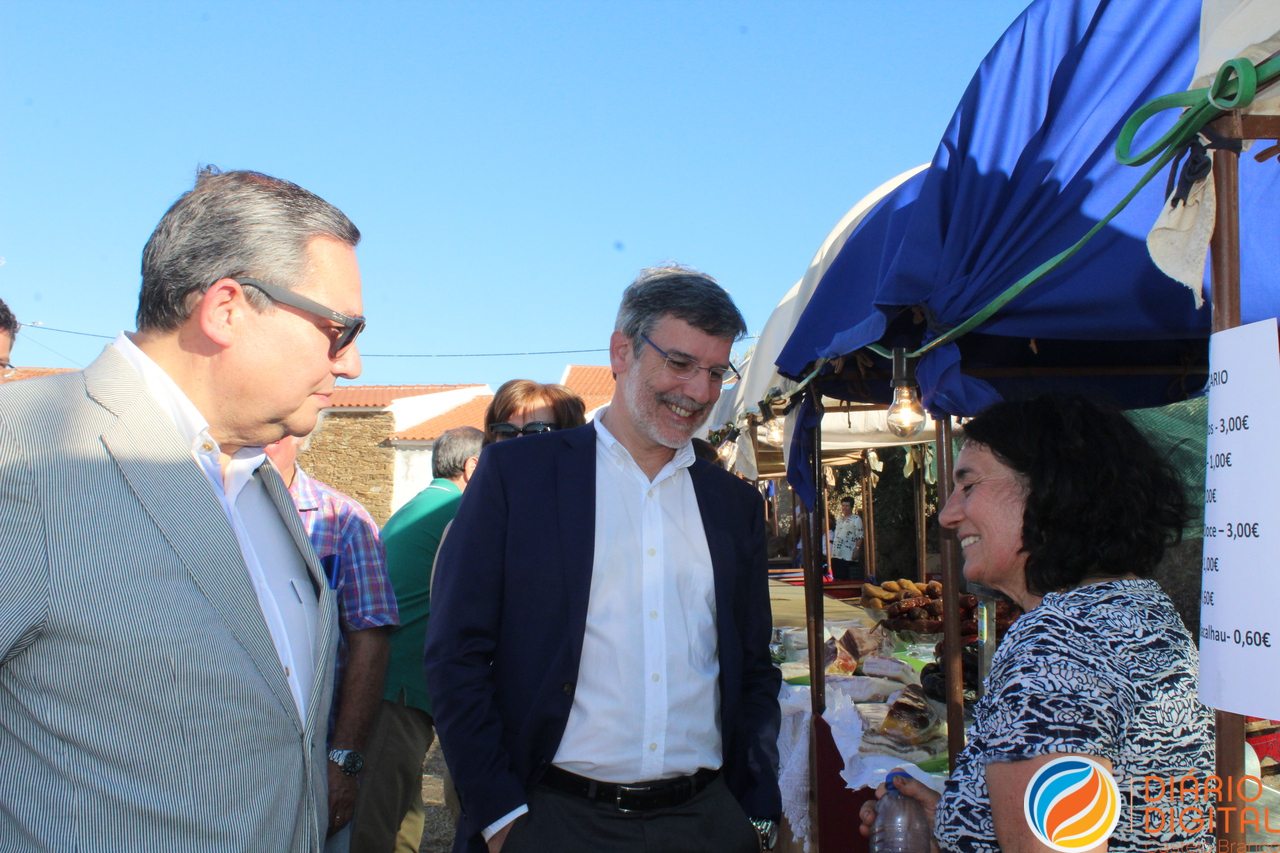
(512, 165)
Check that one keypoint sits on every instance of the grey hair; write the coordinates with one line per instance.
(681, 292)
(452, 449)
(232, 224)
(8, 322)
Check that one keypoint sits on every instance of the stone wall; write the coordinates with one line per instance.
(352, 452)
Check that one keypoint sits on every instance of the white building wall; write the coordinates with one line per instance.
(411, 411)
(412, 471)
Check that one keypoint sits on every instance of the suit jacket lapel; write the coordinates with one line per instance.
(719, 543)
(576, 509)
(144, 444)
(326, 614)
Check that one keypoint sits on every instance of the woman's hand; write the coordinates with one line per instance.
(909, 787)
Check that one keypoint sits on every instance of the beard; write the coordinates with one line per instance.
(646, 408)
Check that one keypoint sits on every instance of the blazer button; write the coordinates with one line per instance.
(568, 688)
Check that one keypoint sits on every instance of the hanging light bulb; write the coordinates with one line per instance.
(773, 432)
(729, 445)
(906, 413)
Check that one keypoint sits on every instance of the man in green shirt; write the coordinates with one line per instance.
(391, 784)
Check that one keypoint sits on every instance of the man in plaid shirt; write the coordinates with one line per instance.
(346, 539)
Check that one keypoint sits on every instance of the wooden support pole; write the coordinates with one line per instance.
(869, 520)
(825, 509)
(922, 527)
(951, 580)
(1225, 266)
(814, 615)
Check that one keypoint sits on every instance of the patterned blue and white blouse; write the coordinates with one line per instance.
(1107, 669)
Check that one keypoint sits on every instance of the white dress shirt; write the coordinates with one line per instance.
(847, 535)
(646, 704)
(276, 568)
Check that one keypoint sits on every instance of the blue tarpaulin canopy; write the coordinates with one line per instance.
(1026, 168)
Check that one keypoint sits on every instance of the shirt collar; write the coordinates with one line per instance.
(442, 483)
(193, 427)
(683, 459)
(303, 490)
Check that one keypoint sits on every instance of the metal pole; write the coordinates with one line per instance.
(950, 553)
(922, 528)
(869, 520)
(824, 508)
(814, 618)
(1225, 265)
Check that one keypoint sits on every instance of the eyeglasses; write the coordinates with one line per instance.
(351, 326)
(506, 430)
(686, 368)
(7, 370)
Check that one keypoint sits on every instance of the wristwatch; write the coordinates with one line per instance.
(768, 831)
(348, 760)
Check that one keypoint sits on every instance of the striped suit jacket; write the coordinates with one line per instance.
(143, 706)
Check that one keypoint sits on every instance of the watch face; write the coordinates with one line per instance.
(349, 761)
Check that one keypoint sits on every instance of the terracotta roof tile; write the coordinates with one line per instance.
(593, 383)
(470, 413)
(37, 372)
(383, 395)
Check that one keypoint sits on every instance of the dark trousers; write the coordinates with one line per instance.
(846, 570)
(391, 782)
(711, 822)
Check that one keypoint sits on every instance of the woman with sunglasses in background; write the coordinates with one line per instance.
(525, 407)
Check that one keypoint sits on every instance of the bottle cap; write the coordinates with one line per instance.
(896, 774)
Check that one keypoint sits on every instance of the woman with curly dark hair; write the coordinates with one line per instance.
(1064, 506)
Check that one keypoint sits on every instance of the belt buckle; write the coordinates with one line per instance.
(627, 789)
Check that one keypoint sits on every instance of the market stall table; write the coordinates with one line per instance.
(787, 603)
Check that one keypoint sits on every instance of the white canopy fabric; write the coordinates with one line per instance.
(1179, 240)
(759, 375)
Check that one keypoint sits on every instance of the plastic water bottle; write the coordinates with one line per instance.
(901, 825)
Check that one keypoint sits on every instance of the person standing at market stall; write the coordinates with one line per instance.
(847, 550)
(1065, 507)
(166, 633)
(598, 657)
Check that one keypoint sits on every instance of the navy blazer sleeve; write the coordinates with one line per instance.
(749, 680)
(761, 681)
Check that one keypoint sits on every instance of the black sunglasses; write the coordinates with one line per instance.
(505, 430)
(351, 326)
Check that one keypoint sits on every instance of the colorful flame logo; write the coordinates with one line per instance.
(1072, 804)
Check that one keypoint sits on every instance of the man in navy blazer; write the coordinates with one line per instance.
(598, 653)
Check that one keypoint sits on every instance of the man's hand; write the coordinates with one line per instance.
(342, 798)
(500, 837)
(361, 692)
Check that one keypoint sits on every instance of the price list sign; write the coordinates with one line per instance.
(1239, 621)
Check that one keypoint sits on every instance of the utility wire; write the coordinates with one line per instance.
(65, 331)
(381, 355)
(484, 354)
(30, 340)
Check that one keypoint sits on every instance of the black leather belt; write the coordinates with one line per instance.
(642, 796)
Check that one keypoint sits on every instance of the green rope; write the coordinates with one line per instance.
(1233, 88)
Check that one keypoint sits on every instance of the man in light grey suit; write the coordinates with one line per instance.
(166, 633)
